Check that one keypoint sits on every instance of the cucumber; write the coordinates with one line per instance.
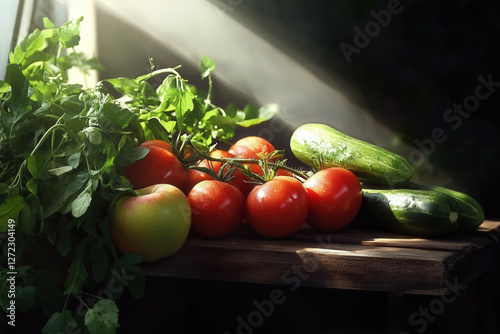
(410, 211)
(470, 212)
(321, 146)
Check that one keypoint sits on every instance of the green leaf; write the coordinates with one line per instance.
(136, 285)
(69, 33)
(4, 87)
(9, 210)
(125, 86)
(93, 134)
(60, 170)
(187, 101)
(74, 160)
(102, 318)
(4, 188)
(34, 166)
(128, 273)
(130, 259)
(19, 100)
(25, 298)
(80, 60)
(207, 66)
(157, 129)
(129, 155)
(47, 23)
(32, 186)
(28, 221)
(34, 43)
(257, 116)
(220, 120)
(55, 196)
(77, 276)
(60, 323)
(99, 259)
(80, 204)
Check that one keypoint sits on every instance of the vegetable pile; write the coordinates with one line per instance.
(96, 180)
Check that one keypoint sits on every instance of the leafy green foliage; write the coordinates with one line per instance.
(102, 318)
(62, 151)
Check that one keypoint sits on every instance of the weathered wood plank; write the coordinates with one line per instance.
(292, 263)
(349, 259)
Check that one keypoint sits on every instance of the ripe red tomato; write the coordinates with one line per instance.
(195, 177)
(251, 147)
(236, 177)
(277, 208)
(282, 172)
(157, 143)
(217, 208)
(188, 151)
(249, 184)
(334, 198)
(158, 166)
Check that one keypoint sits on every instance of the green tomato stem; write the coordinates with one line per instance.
(240, 162)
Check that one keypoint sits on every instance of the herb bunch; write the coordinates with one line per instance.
(62, 151)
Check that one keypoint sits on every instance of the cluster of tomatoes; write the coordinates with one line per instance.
(277, 207)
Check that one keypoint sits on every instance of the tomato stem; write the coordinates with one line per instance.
(263, 162)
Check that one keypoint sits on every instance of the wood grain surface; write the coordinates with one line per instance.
(353, 258)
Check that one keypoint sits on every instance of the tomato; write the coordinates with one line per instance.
(157, 143)
(251, 147)
(158, 166)
(236, 177)
(217, 208)
(188, 151)
(334, 198)
(277, 208)
(195, 177)
(249, 184)
(282, 172)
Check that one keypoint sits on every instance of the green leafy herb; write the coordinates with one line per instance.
(63, 148)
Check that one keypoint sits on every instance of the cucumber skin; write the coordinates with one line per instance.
(321, 146)
(418, 212)
(470, 212)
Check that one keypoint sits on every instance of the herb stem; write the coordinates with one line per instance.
(209, 94)
(157, 72)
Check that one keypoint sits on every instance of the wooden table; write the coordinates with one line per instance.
(351, 259)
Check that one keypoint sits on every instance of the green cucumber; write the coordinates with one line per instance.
(410, 211)
(321, 146)
(470, 212)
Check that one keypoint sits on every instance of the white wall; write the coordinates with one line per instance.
(8, 14)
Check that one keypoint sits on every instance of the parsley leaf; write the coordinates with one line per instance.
(102, 318)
